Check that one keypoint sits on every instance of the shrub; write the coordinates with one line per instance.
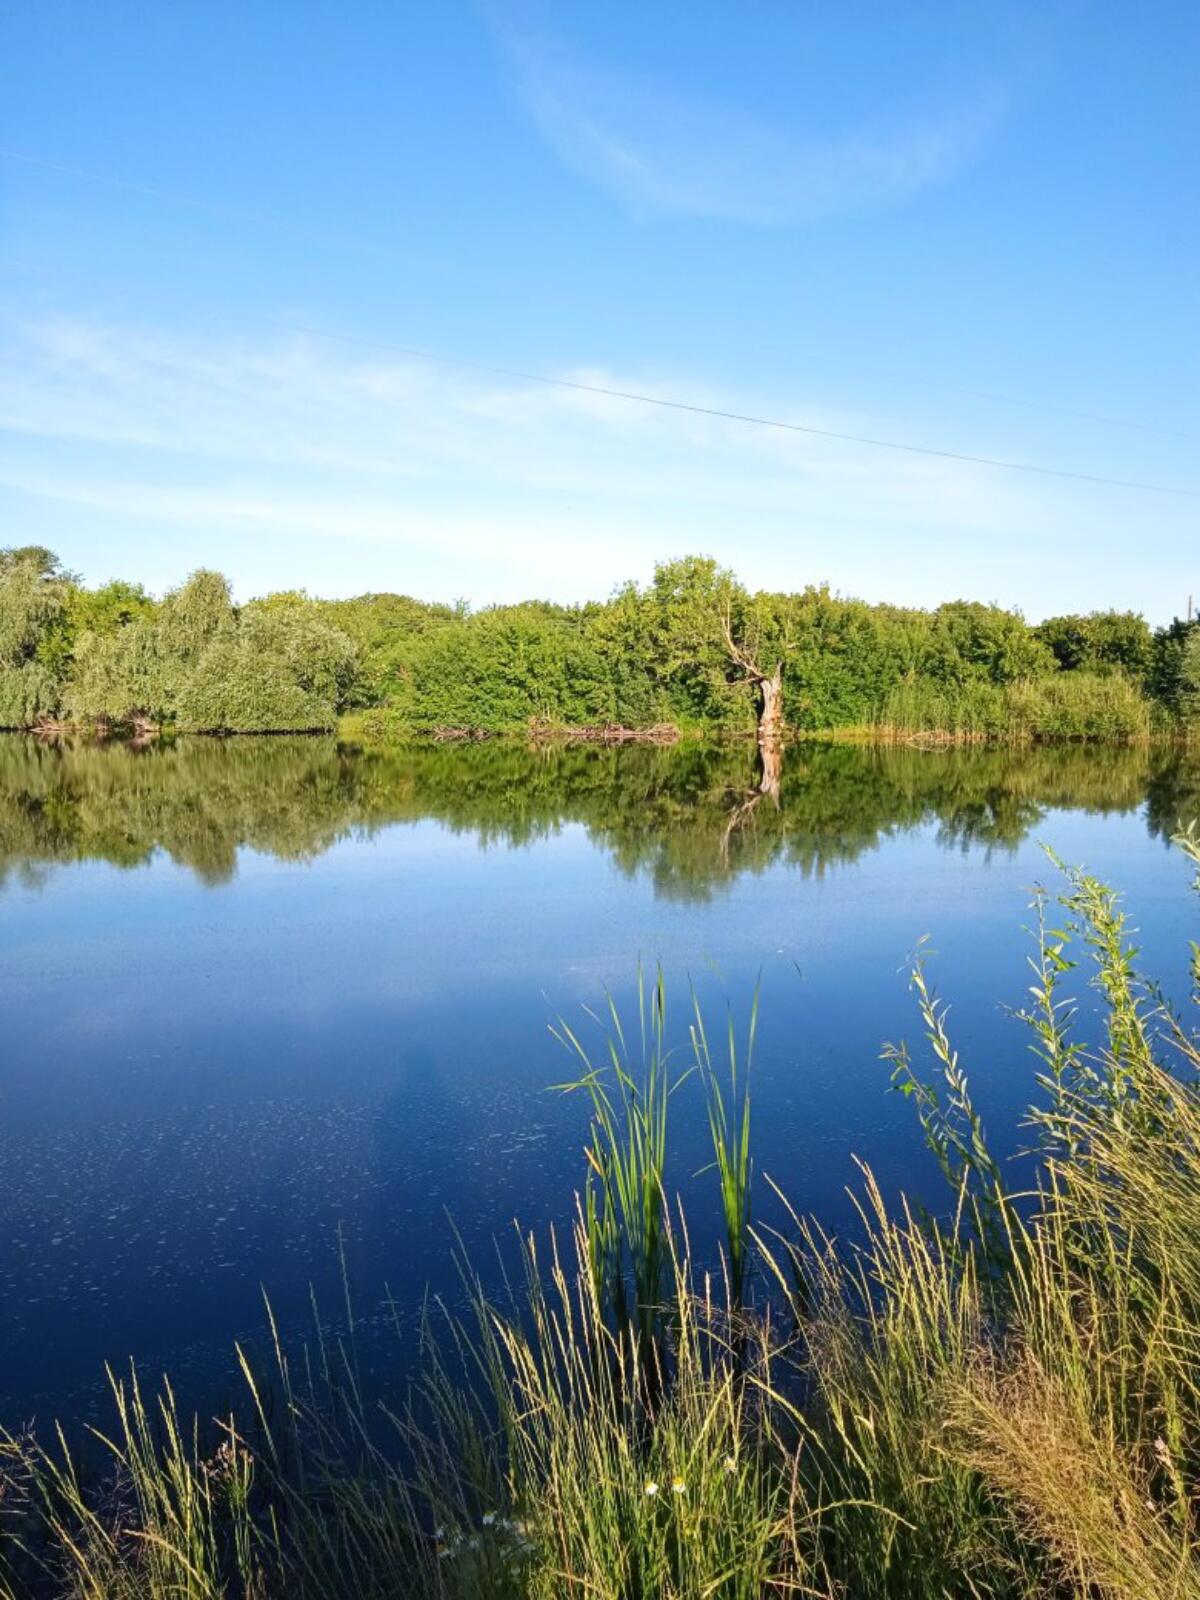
(1102, 641)
(503, 668)
(234, 688)
(27, 692)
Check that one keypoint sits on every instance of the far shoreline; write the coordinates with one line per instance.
(376, 728)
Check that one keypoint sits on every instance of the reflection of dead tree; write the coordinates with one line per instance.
(770, 770)
(770, 767)
(770, 732)
(768, 684)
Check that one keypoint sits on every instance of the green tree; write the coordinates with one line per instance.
(198, 661)
(33, 590)
(138, 670)
(1189, 679)
(275, 666)
(970, 640)
(112, 606)
(1102, 641)
(1166, 677)
(44, 563)
(841, 656)
(689, 602)
(507, 666)
(195, 616)
(121, 677)
(387, 630)
(91, 611)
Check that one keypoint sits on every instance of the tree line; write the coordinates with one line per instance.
(693, 648)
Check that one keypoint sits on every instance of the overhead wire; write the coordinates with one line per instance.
(690, 407)
(631, 396)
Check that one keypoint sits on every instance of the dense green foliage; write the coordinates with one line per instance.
(686, 649)
(1105, 641)
(198, 661)
(33, 608)
(993, 1396)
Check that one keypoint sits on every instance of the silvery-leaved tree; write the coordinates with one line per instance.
(33, 598)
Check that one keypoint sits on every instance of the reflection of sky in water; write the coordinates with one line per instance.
(200, 1085)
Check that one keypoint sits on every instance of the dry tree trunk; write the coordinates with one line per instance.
(770, 717)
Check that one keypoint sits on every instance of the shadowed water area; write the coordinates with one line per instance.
(263, 996)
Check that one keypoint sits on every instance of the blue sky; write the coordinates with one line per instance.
(952, 225)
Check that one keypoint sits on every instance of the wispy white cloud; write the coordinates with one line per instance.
(662, 153)
(375, 470)
(301, 404)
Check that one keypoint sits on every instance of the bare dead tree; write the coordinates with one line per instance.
(768, 684)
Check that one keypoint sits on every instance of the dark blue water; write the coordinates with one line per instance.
(260, 996)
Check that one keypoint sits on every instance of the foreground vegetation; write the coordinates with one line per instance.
(997, 1397)
(692, 650)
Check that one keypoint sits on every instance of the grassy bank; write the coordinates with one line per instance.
(1066, 706)
(999, 1396)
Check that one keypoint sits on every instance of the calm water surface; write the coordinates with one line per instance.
(262, 995)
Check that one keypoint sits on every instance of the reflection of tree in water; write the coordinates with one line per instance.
(198, 800)
(837, 801)
(1173, 796)
(693, 817)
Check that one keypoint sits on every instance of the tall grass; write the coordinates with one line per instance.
(994, 1396)
(729, 1128)
(626, 1156)
(1068, 705)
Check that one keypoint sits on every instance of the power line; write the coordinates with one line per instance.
(268, 220)
(737, 416)
(629, 396)
(1028, 405)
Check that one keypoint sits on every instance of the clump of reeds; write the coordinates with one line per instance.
(997, 1397)
(1055, 706)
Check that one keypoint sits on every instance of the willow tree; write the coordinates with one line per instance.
(134, 668)
(33, 594)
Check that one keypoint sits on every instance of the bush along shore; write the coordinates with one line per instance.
(997, 1396)
(692, 651)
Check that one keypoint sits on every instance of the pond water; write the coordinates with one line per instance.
(269, 1004)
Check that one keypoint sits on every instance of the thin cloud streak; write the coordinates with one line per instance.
(493, 489)
(293, 403)
(661, 154)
